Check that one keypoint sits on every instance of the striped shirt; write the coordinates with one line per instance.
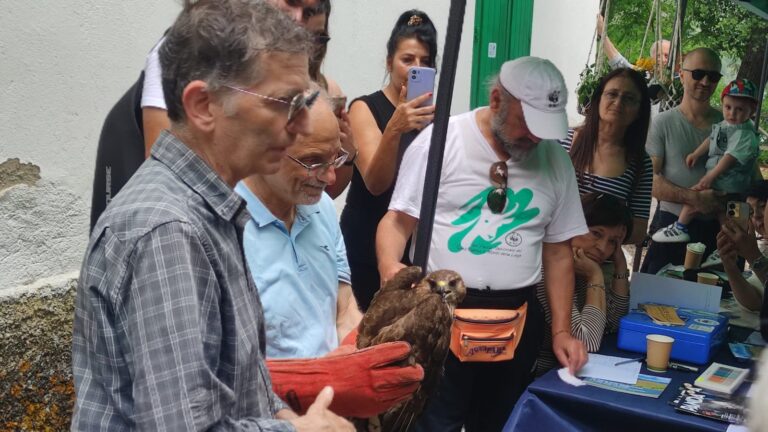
(169, 330)
(588, 323)
(639, 200)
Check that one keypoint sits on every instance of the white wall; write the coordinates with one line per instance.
(63, 64)
(359, 31)
(562, 32)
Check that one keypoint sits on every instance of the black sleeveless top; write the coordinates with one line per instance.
(363, 210)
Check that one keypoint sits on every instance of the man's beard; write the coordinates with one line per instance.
(310, 199)
(518, 149)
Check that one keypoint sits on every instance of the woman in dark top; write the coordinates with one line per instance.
(379, 121)
(608, 150)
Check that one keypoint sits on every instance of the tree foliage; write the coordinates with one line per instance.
(718, 24)
(737, 34)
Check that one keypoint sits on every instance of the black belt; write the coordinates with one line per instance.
(497, 299)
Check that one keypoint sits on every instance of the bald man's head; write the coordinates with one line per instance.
(700, 75)
(309, 166)
(702, 55)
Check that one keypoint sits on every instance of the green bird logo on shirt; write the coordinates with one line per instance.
(484, 230)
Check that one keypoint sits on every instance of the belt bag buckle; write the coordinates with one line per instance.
(487, 335)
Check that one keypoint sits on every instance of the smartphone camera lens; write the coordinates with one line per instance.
(731, 206)
(731, 213)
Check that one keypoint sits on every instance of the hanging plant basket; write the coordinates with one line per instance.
(589, 79)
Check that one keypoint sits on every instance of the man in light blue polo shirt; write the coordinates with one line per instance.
(294, 247)
(296, 255)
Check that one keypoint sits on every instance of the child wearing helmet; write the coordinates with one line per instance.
(733, 147)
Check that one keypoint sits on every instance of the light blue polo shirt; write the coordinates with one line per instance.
(297, 274)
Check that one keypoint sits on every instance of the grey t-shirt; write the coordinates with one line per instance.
(672, 137)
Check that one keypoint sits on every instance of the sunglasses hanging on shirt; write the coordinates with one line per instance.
(497, 198)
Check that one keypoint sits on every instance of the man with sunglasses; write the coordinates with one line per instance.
(297, 257)
(168, 328)
(673, 135)
(508, 204)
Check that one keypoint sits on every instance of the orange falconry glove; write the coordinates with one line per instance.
(365, 382)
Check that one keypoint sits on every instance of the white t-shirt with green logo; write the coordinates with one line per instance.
(500, 251)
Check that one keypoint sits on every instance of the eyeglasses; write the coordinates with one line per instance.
(318, 169)
(698, 74)
(497, 198)
(626, 98)
(321, 38)
(295, 105)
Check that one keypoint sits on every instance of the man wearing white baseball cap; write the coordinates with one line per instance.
(508, 206)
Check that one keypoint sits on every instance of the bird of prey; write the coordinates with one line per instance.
(419, 312)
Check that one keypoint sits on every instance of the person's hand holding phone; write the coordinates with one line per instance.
(410, 115)
(345, 135)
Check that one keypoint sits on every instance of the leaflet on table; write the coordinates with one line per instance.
(604, 367)
(755, 339)
(646, 385)
(694, 400)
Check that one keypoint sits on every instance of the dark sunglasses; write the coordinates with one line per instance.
(698, 74)
(321, 38)
(497, 198)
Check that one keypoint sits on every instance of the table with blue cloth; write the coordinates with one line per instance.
(549, 404)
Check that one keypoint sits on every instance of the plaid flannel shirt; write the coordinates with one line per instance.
(169, 329)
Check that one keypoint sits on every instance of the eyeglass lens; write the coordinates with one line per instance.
(698, 74)
(301, 101)
(497, 198)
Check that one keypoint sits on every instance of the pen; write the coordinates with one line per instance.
(682, 367)
(629, 361)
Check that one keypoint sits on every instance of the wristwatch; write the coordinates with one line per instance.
(351, 161)
(624, 275)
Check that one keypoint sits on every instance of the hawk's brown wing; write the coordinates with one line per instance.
(390, 303)
(427, 328)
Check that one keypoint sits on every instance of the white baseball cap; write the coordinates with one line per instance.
(540, 88)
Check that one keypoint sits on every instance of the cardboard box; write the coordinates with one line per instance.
(695, 342)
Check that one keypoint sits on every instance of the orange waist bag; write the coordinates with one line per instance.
(487, 335)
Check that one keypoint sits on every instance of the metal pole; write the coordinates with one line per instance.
(439, 132)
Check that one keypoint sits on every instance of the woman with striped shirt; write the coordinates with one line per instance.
(608, 150)
(601, 296)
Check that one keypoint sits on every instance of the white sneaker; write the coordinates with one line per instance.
(712, 260)
(671, 234)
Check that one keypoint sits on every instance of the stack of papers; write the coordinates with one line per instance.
(602, 371)
(662, 315)
(604, 367)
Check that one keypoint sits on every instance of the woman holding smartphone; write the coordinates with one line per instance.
(378, 122)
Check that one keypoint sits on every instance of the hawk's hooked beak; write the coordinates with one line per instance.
(441, 289)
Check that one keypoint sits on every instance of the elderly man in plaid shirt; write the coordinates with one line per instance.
(169, 331)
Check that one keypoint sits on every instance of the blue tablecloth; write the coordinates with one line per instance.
(549, 404)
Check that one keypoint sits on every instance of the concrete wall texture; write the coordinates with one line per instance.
(64, 64)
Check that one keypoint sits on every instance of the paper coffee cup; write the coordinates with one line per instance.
(693, 254)
(658, 349)
(707, 278)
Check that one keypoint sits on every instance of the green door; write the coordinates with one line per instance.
(502, 32)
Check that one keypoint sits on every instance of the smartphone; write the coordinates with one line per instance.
(738, 212)
(421, 80)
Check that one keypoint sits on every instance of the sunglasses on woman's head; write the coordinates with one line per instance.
(497, 198)
(698, 74)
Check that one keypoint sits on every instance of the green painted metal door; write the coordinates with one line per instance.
(502, 32)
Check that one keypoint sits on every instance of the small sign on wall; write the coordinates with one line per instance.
(492, 50)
